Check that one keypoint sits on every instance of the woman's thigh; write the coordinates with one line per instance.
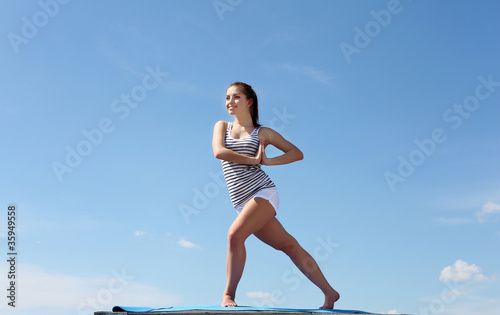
(275, 235)
(255, 215)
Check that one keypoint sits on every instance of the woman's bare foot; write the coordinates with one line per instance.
(228, 301)
(330, 299)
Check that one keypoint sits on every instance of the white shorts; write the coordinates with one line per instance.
(270, 194)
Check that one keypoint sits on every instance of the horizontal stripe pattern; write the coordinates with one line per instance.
(243, 181)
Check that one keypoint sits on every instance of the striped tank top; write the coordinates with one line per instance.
(244, 181)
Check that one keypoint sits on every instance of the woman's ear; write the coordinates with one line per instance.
(250, 102)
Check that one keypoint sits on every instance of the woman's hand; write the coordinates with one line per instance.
(262, 151)
(222, 153)
(258, 157)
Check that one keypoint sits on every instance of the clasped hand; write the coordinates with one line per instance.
(261, 157)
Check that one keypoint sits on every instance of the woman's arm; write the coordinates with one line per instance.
(222, 153)
(291, 152)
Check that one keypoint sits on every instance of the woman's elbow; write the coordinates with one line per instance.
(299, 155)
(218, 154)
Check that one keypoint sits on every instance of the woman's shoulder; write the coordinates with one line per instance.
(221, 124)
(266, 132)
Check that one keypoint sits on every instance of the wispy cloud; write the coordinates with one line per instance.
(464, 298)
(461, 271)
(71, 294)
(488, 209)
(473, 305)
(261, 296)
(454, 221)
(186, 244)
(152, 235)
(140, 233)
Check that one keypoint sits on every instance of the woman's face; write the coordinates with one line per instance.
(236, 101)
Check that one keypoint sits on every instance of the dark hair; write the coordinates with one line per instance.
(250, 94)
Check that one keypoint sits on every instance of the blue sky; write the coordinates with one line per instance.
(107, 114)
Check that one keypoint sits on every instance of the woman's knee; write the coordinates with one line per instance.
(235, 239)
(291, 247)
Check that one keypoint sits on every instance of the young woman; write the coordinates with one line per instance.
(241, 148)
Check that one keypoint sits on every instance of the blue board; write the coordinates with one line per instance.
(220, 308)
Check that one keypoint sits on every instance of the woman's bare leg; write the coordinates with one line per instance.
(275, 235)
(252, 218)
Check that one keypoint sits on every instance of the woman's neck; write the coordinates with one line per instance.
(245, 121)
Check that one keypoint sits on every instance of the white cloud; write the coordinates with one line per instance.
(461, 271)
(68, 294)
(262, 296)
(488, 208)
(187, 244)
(394, 311)
(140, 233)
(464, 299)
(314, 74)
(473, 305)
(456, 221)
